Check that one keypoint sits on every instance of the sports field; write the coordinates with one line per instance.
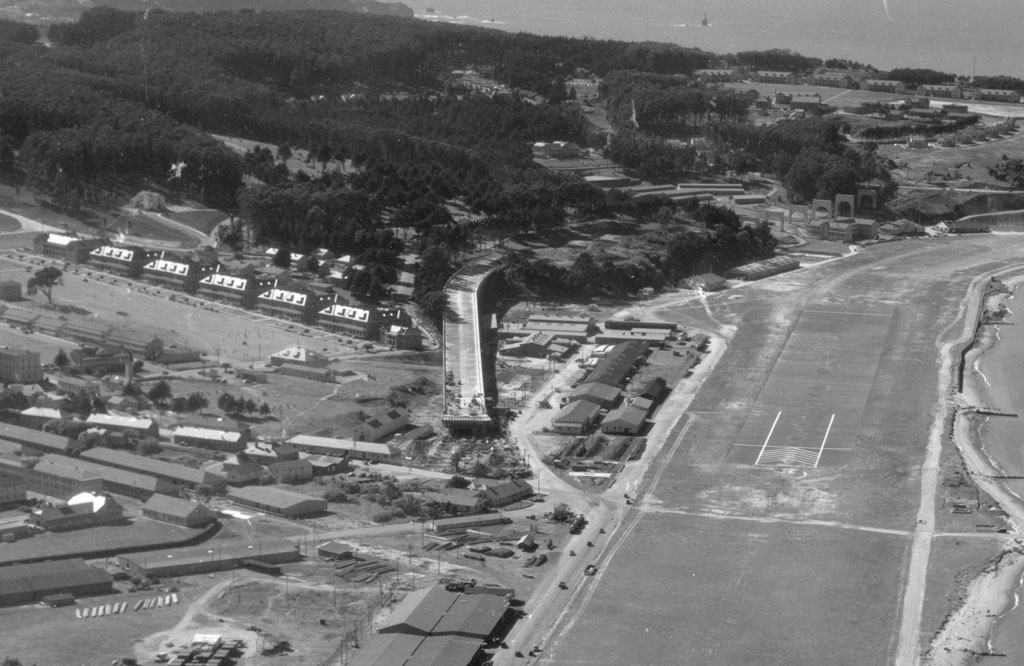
(811, 406)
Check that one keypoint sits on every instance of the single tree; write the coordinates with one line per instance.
(61, 360)
(44, 280)
(147, 446)
(160, 393)
(205, 491)
(283, 258)
(458, 482)
(264, 409)
(179, 404)
(284, 152)
(196, 401)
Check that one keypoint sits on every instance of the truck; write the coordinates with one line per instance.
(590, 570)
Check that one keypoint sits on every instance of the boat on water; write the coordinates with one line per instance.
(704, 21)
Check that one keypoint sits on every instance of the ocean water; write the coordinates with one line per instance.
(1002, 367)
(957, 36)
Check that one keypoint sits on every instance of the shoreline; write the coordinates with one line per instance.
(968, 630)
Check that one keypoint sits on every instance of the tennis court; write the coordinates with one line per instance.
(810, 409)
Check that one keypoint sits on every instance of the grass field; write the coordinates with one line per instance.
(54, 636)
(720, 593)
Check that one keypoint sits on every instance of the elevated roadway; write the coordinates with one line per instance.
(465, 400)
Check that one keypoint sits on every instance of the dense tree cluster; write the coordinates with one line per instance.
(999, 82)
(715, 240)
(915, 76)
(1009, 171)
(15, 31)
(668, 105)
(782, 60)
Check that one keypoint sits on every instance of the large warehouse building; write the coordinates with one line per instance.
(27, 583)
(435, 627)
(277, 502)
(210, 557)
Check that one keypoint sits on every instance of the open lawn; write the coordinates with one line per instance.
(54, 636)
(969, 163)
(720, 593)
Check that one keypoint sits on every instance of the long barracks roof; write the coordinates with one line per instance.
(223, 550)
(146, 465)
(306, 442)
(44, 577)
(207, 434)
(273, 497)
(30, 437)
(80, 469)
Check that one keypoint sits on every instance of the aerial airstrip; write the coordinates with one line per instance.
(777, 526)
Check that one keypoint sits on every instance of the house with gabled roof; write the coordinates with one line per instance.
(127, 261)
(502, 492)
(624, 420)
(375, 427)
(294, 303)
(575, 418)
(177, 511)
(177, 273)
(241, 289)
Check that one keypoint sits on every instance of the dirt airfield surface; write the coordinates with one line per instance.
(723, 562)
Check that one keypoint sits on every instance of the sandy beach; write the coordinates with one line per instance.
(967, 631)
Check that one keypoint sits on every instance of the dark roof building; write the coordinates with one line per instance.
(575, 418)
(294, 303)
(617, 366)
(654, 390)
(624, 420)
(87, 331)
(82, 510)
(209, 557)
(502, 492)
(434, 611)
(179, 475)
(763, 269)
(20, 366)
(66, 247)
(376, 426)
(27, 583)
(277, 502)
(238, 290)
(180, 274)
(142, 345)
(597, 393)
(363, 323)
(127, 261)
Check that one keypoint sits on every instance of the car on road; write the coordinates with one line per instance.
(562, 585)
(590, 570)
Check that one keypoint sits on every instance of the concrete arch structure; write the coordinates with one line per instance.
(869, 195)
(819, 205)
(845, 205)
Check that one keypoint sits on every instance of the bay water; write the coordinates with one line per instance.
(957, 36)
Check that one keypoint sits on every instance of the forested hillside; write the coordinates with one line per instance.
(122, 96)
